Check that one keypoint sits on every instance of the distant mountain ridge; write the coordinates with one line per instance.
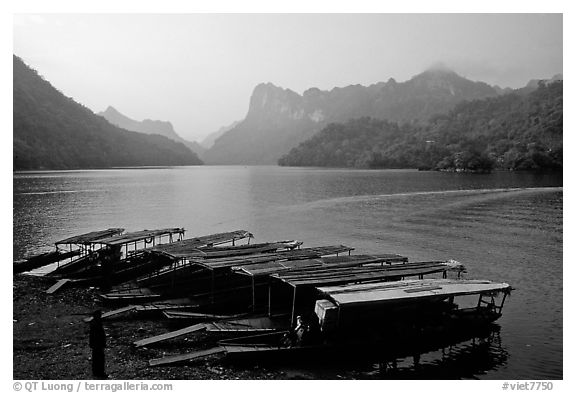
(209, 140)
(279, 119)
(148, 126)
(52, 131)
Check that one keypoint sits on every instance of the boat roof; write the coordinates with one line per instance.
(214, 252)
(89, 237)
(136, 236)
(303, 267)
(382, 292)
(290, 255)
(363, 271)
(188, 248)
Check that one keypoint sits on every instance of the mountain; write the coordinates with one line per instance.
(513, 132)
(208, 142)
(52, 131)
(279, 119)
(148, 126)
(534, 83)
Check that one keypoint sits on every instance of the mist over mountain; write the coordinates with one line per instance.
(52, 131)
(148, 126)
(279, 119)
(209, 140)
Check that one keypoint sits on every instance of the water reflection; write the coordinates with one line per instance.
(463, 358)
(460, 355)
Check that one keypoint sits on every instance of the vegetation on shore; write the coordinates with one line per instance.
(516, 131)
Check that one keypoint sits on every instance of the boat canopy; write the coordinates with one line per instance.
(90, 237)
(290, 255)
(409, 290)
(366, 268)
(131, 237)
(188, 248)
(302, 266)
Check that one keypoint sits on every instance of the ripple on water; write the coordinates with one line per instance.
(504, 226)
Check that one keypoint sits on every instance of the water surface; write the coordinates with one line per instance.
(502, 226)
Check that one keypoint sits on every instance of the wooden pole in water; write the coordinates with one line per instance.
(502, 304)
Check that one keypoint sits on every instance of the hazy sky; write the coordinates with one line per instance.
(198, 70)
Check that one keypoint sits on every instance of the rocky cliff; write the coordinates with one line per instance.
(279, 119)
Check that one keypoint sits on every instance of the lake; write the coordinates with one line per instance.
(501, 226)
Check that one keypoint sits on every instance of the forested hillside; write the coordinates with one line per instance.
(513, 131)
(52, 131)
(148, 126)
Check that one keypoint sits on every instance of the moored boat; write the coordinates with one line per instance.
(398, 317)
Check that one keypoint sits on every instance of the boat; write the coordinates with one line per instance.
(118, 258)
(43, 259)
(245, 249)
(185, 274)
(115, 251)
(383, 319)
(425, 303)
(75, 248)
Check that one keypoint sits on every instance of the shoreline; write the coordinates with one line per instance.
(50, 341)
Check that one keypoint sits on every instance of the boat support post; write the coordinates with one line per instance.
(253, 294)
(213, 285)
(269, 298)
(293, 306)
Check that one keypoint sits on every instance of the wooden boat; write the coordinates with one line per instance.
(120, 258)
(382, 319)
(40, 260)
(75, 248)
(400, 315)
(228, 326)
(433, 303)
(108, 253)
(74, 267)
(188, 266)
(147, 266)
(245, 249)
(271, 347)
(216, 279)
